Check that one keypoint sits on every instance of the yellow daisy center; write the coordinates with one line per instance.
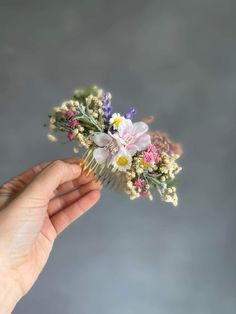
(117, 121)
(122, 161)
(144, 164)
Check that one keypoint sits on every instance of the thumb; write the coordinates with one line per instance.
(45, 183)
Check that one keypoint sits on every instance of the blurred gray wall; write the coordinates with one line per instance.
(175, 59)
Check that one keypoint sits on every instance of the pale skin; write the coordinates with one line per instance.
(35, 207)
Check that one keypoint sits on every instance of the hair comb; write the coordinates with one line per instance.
(124, 155)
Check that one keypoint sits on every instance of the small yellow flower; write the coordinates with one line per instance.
(144, 164)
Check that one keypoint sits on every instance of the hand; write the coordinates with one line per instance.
(34, 208)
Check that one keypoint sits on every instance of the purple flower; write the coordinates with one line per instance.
(130, 114)
(107, 107)
(106, 99)
(107, 112)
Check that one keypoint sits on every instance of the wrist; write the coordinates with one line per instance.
(10, 294)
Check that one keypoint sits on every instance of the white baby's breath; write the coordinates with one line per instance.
(52, 138)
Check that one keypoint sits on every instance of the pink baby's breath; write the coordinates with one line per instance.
(69, 114)
(139, 183)
(163, 143)
(157, 158)
(151, 148)
(149, 157)
(73, 123)
(70, 136)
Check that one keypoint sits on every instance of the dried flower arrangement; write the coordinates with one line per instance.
(122, 153)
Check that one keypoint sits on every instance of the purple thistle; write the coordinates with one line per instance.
(130, 114)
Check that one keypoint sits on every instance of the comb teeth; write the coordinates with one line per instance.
(109, 178)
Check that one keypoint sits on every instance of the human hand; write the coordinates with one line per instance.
(34, 208)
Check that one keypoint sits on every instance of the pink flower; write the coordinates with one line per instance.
(144, 193)
(73, 123)
(158, 158)
(134, 135)
(149, 157)
(70, 136)
(139, 183)
(69, 114)
(151, 149)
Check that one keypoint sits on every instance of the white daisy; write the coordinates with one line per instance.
(122, 161)
(116, 120)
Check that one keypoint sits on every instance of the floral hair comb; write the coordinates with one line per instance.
(123, 154)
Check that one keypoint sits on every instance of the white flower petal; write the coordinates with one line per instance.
(143, 142)
(118, 139)
(115, 115)
(100, 155)
(132, 148)
(139, 128)
(126, 126)
(101, 139)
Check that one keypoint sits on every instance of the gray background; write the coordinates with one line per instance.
(175, 59)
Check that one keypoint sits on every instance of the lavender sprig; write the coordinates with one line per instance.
(107, 108)
(131, 113)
